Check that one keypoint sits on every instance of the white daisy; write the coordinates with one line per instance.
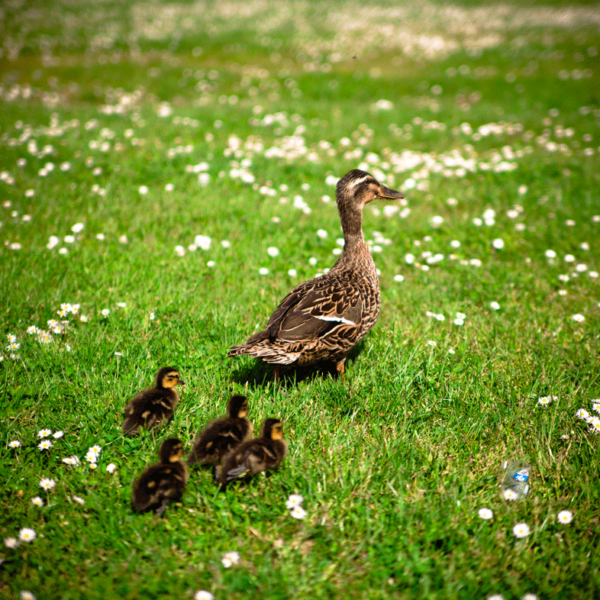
(27, 595)
(294, 500)
(485, 513)
(72, 460)
(14, 444)
(565, 516)
(111, 468)
(37, 501)
(11, 542)
(45, 445)
(544, 400)
(47, 484)
(263, 271)
(230, 558)
(58, 435)
(79, 500)
(494, 306)
(27, 535)
(582, 414)
(529, 596)
(203, 595)
(578, 318)
(42, 433)
(272, 251)
(521, 530)
(510, 494)
(298, 512)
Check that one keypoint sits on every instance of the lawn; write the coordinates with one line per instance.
(167, 175)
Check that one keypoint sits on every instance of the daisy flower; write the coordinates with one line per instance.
(47, 484)
(42, 433)
(58, 435)
(594, 423)
(521, 530)
(596, 405)
(494, 306)
(14, 444)
(582, 414)
(510, 494)
(495, 597)
(71, 460)
(529, 596)
(485, 513)
(230, 558)
(27, 535)
(105, 312)
(37, 501)
(298, 512)
(565, 516)
(45, 445)
(27, 595)
(294, 500)
(203, 595)
(111, 468)
(79, 500)
(11, 542)
(263, 271)
(272, 251)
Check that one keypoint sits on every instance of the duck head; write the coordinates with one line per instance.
(168, 377)
(357, 188)
(272, 429)
(238, 407)
(171, 450)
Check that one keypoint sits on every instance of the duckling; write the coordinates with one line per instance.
(163, 482)
(222, 435)
(260, 454)
(324, 318)
(155, 406)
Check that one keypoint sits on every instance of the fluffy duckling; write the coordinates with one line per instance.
(163, 482)
(155, 406)
(260, 454)
(222, 435)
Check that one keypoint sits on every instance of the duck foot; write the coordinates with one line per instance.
(339, 367)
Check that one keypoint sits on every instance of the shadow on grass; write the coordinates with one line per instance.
(260, 374)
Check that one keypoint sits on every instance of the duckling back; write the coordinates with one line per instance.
(151, 408)
(218, 439)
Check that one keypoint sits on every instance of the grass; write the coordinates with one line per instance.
(395, 461)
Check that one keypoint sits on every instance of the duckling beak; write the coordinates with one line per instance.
(181, 382)
(385, 192)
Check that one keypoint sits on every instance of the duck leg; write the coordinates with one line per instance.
(276, 373)
(339, 367)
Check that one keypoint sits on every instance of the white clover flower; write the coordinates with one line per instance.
(494, 306)
(37, 501)
(272, 251)
(11, 542)
(203, 595)
(578, 318)
(14, 444)
(565, 516)
(521, 530)
(485, 513)
(27, 535)
(510, 494)
(298, 513)
(42, 433)
(263, 271)
(47, 484)
(294, 500)
(230, 558)
(72, 460)
(45, 445)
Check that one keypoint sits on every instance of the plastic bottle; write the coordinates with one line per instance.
(515, 484)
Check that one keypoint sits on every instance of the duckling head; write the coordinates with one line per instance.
(168, 377)
(272, 429)
(357, 188)
(238, 407)
(171, 450)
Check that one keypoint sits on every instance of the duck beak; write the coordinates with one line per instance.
(181, 382)
(385, 192)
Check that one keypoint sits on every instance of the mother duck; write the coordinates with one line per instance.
(324, 318)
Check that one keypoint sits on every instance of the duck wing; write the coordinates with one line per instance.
(314, 309)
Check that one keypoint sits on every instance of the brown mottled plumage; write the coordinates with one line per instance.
(153, 407)
(164, 482)
(322, 319)
(260, 454)
(222, 435)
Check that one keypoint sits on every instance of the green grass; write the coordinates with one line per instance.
(395, 461)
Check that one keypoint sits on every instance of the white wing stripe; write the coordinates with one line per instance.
(338, 319)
